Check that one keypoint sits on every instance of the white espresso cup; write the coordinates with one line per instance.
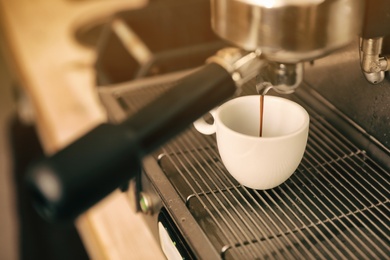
(259, 162)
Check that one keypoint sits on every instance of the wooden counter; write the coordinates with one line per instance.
(58, 76)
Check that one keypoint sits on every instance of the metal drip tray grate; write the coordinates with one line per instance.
(335, 206)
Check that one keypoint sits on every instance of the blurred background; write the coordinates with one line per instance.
(25, 46)
(8, 215)
(48, 99)
(23, 234)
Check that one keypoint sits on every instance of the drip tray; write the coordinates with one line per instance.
(335, 206)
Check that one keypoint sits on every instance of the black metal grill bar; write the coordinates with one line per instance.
(239, 204)
(309, 209)
(247, 238)
(317, 155)
(357, 184)
(365, 206)
(336, 217)
(291, 231)
(309, 226)
(276, 214)
(204, 161)
(209, 201)
(259, 207)
(336, 147)
(357, 247)
(321, 146)
(340, 142)
(169, 151)
(212, 215)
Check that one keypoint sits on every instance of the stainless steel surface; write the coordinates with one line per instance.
(336, 205)
(288, 33)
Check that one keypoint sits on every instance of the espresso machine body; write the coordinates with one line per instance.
(336, 203)
(331, 56)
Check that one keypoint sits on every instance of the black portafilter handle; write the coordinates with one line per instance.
(74, 179)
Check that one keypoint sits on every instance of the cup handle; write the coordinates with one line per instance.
(204, 127)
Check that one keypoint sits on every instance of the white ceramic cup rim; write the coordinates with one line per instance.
(232, 102)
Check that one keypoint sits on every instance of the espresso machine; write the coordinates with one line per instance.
(330, 56)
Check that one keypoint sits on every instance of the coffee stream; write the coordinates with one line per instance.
(261, 115)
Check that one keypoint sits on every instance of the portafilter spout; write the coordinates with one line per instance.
(71, 181)
(281, 77)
